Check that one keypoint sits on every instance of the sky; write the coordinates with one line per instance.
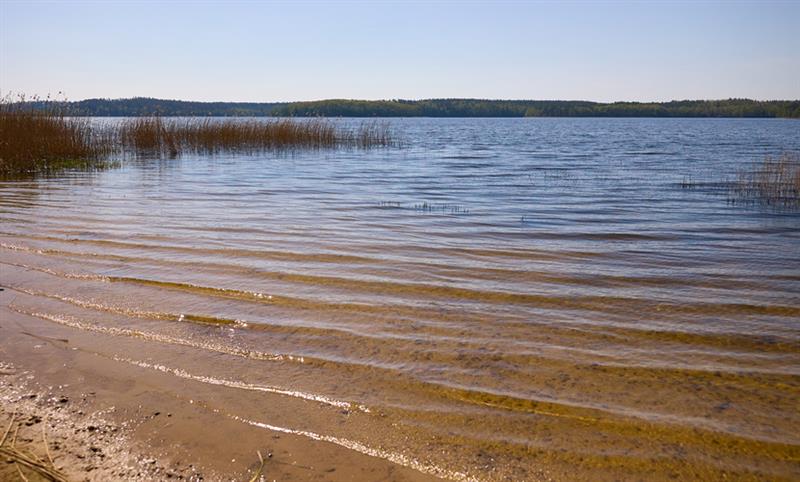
(262, 51)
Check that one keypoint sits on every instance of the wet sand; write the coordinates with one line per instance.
(108, 420)
(46, 424)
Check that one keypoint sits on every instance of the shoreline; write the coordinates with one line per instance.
(80, 444)
(146, 424)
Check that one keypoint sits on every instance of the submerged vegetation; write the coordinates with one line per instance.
(773, 182)
(34, 139)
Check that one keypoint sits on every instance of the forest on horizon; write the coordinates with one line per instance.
(144, 106)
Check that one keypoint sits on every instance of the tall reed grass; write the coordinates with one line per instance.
(35, 140)
(45, 139)
(775, 182)
(176, 136)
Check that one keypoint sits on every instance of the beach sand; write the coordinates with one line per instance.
(107, 420)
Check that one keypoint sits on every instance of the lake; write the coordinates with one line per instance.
(493, 299)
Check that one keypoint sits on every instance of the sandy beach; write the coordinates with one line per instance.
(107, 420)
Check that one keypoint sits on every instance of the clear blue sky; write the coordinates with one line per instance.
(271, 51)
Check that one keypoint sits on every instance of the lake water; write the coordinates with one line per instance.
(499, 299)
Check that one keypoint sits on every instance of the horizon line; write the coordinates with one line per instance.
(421, 99)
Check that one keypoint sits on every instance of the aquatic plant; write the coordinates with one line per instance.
(374, 134)
(42, 139)
(174, 136)
(37, 136)
(441, 207)
(775, 182)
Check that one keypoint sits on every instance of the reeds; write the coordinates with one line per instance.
(44, 139)
(44, 469)
(35, 139)
(176, 136)
(774, 182)
(372, 134)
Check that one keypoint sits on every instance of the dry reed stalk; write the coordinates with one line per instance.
(29, 460)
(260, 470)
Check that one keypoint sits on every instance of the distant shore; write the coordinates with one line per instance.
(143, 106)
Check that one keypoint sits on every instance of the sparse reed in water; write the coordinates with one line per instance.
(774, 182)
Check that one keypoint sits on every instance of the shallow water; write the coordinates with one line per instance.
(518, 298)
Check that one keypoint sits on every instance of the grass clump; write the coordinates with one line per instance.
(773, 182)
(43, 139)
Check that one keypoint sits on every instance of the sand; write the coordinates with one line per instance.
(107, 420)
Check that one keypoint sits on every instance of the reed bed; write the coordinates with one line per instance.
(176, 136)
(46, 139)
(36, 140)
(774, 182)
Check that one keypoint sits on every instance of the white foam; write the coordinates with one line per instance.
(60, 274)
(241, 385)
(115, 331)
(399, 459)
(99, 306)
(107, 279)
(15, 247)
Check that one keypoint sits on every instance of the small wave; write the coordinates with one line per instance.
(15, 247)
(60, 274)
(244, 386)
(164, 284)
(597, 303)
(115, 331)
(57, 252)
(133, 313)
(326, 257)
(399, 459)
(467, 157)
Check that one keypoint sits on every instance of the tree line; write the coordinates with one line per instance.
(142, 106)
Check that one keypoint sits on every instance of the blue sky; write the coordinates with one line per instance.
(279, 51)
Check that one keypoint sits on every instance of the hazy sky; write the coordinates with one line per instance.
(269, 51)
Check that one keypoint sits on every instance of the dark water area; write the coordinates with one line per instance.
(494, 299)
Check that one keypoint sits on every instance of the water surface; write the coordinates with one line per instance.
(496, 298)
